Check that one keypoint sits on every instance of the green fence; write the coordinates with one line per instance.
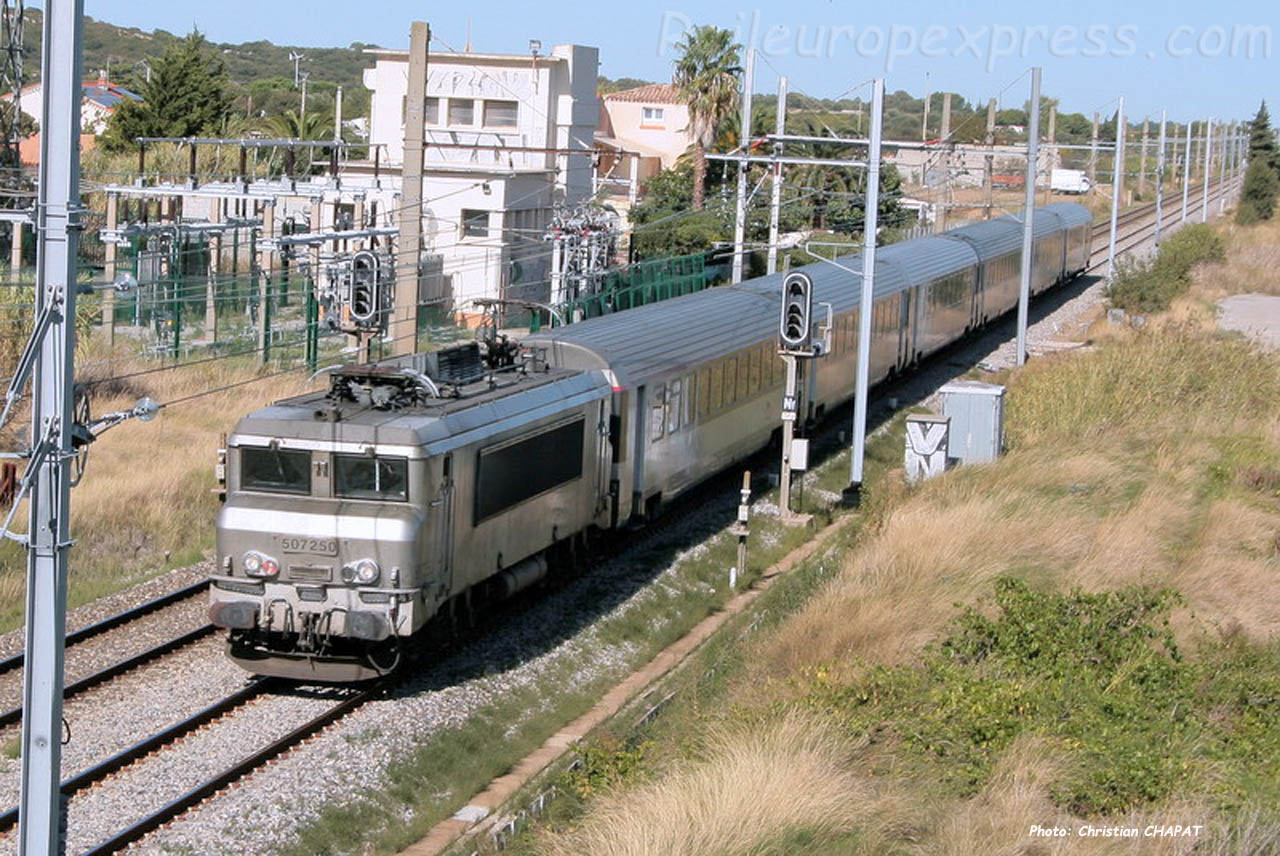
(640, 284)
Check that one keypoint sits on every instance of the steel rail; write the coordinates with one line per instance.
(144, 747)
(14, 715)
(176, 807)
(14, 662)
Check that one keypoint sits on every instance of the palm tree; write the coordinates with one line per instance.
(310, 126)
(707, 76)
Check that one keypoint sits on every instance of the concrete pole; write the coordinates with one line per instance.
(404, 319)
(1208, 153)
(211, 283)
(744, 141)
(1195, 143)
(1028, 215)
(1116, 182)
(633, 184)
(15, 249)
(941, 223)
(557, 270)
(53, 380)
(924, 120)
(1142, 161)
(110, 251)
(337, 116)
(1093, 153)
(264, 282)
(1052, 140)
(989, 169)
(775, 201)
(1160, 177)
(852, 494)
(1186, 173)
(1222, 172)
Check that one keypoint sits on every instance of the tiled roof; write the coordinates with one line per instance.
(654, 93)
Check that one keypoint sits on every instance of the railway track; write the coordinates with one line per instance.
(9, 664)
(1144, 217)
(124, 665)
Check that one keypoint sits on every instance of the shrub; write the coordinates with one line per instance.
(1099, 675)
(1151, 285)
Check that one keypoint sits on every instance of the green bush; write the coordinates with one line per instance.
(1151, 285)
(1101, 677)
(1258, 198)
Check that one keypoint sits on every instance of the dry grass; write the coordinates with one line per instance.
(146, 502)
(752, 793)
(1253, 263)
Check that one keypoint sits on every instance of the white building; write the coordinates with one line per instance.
(502, 135)
(101, 98)
(652, 120)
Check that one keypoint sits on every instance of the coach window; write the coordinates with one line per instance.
(704, 393)
(657, 415)
(363, 477)
(744, 375)
(674, 398)
(717, 386)
(753, 380)
(275, 470)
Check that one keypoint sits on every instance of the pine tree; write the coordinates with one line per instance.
(1262, 139)
(1262, 179)
(186, 96)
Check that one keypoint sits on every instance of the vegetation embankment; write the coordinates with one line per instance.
(1080, 635)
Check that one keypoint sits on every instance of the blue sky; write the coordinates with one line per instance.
(1195, 59)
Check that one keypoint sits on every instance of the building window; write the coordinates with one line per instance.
(462, 111)
(475, 224)
(433, 111)
(500, 114)
(651, 116)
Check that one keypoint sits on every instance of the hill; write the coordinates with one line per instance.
(260, 68)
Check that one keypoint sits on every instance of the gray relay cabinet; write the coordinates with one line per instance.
(976, 411)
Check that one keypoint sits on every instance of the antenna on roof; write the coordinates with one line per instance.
(466, 48)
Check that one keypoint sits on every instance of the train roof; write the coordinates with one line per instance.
(991, 238)
(1045, 222)
(429, 428)
(1070, 213)
(926, 259)
(703, 326)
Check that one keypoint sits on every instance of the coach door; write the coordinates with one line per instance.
(604, 458)
(442, 523)
(906, 328)
(979, 286)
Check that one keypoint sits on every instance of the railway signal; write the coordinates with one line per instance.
(365, 288)
(797, 310)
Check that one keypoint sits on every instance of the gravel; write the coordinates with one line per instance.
(91, 613)
(130, 708)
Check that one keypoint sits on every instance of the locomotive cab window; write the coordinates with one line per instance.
(363, 477)
(275, 470)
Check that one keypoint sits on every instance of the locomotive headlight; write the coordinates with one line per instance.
(364, 571)
(258, 565)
